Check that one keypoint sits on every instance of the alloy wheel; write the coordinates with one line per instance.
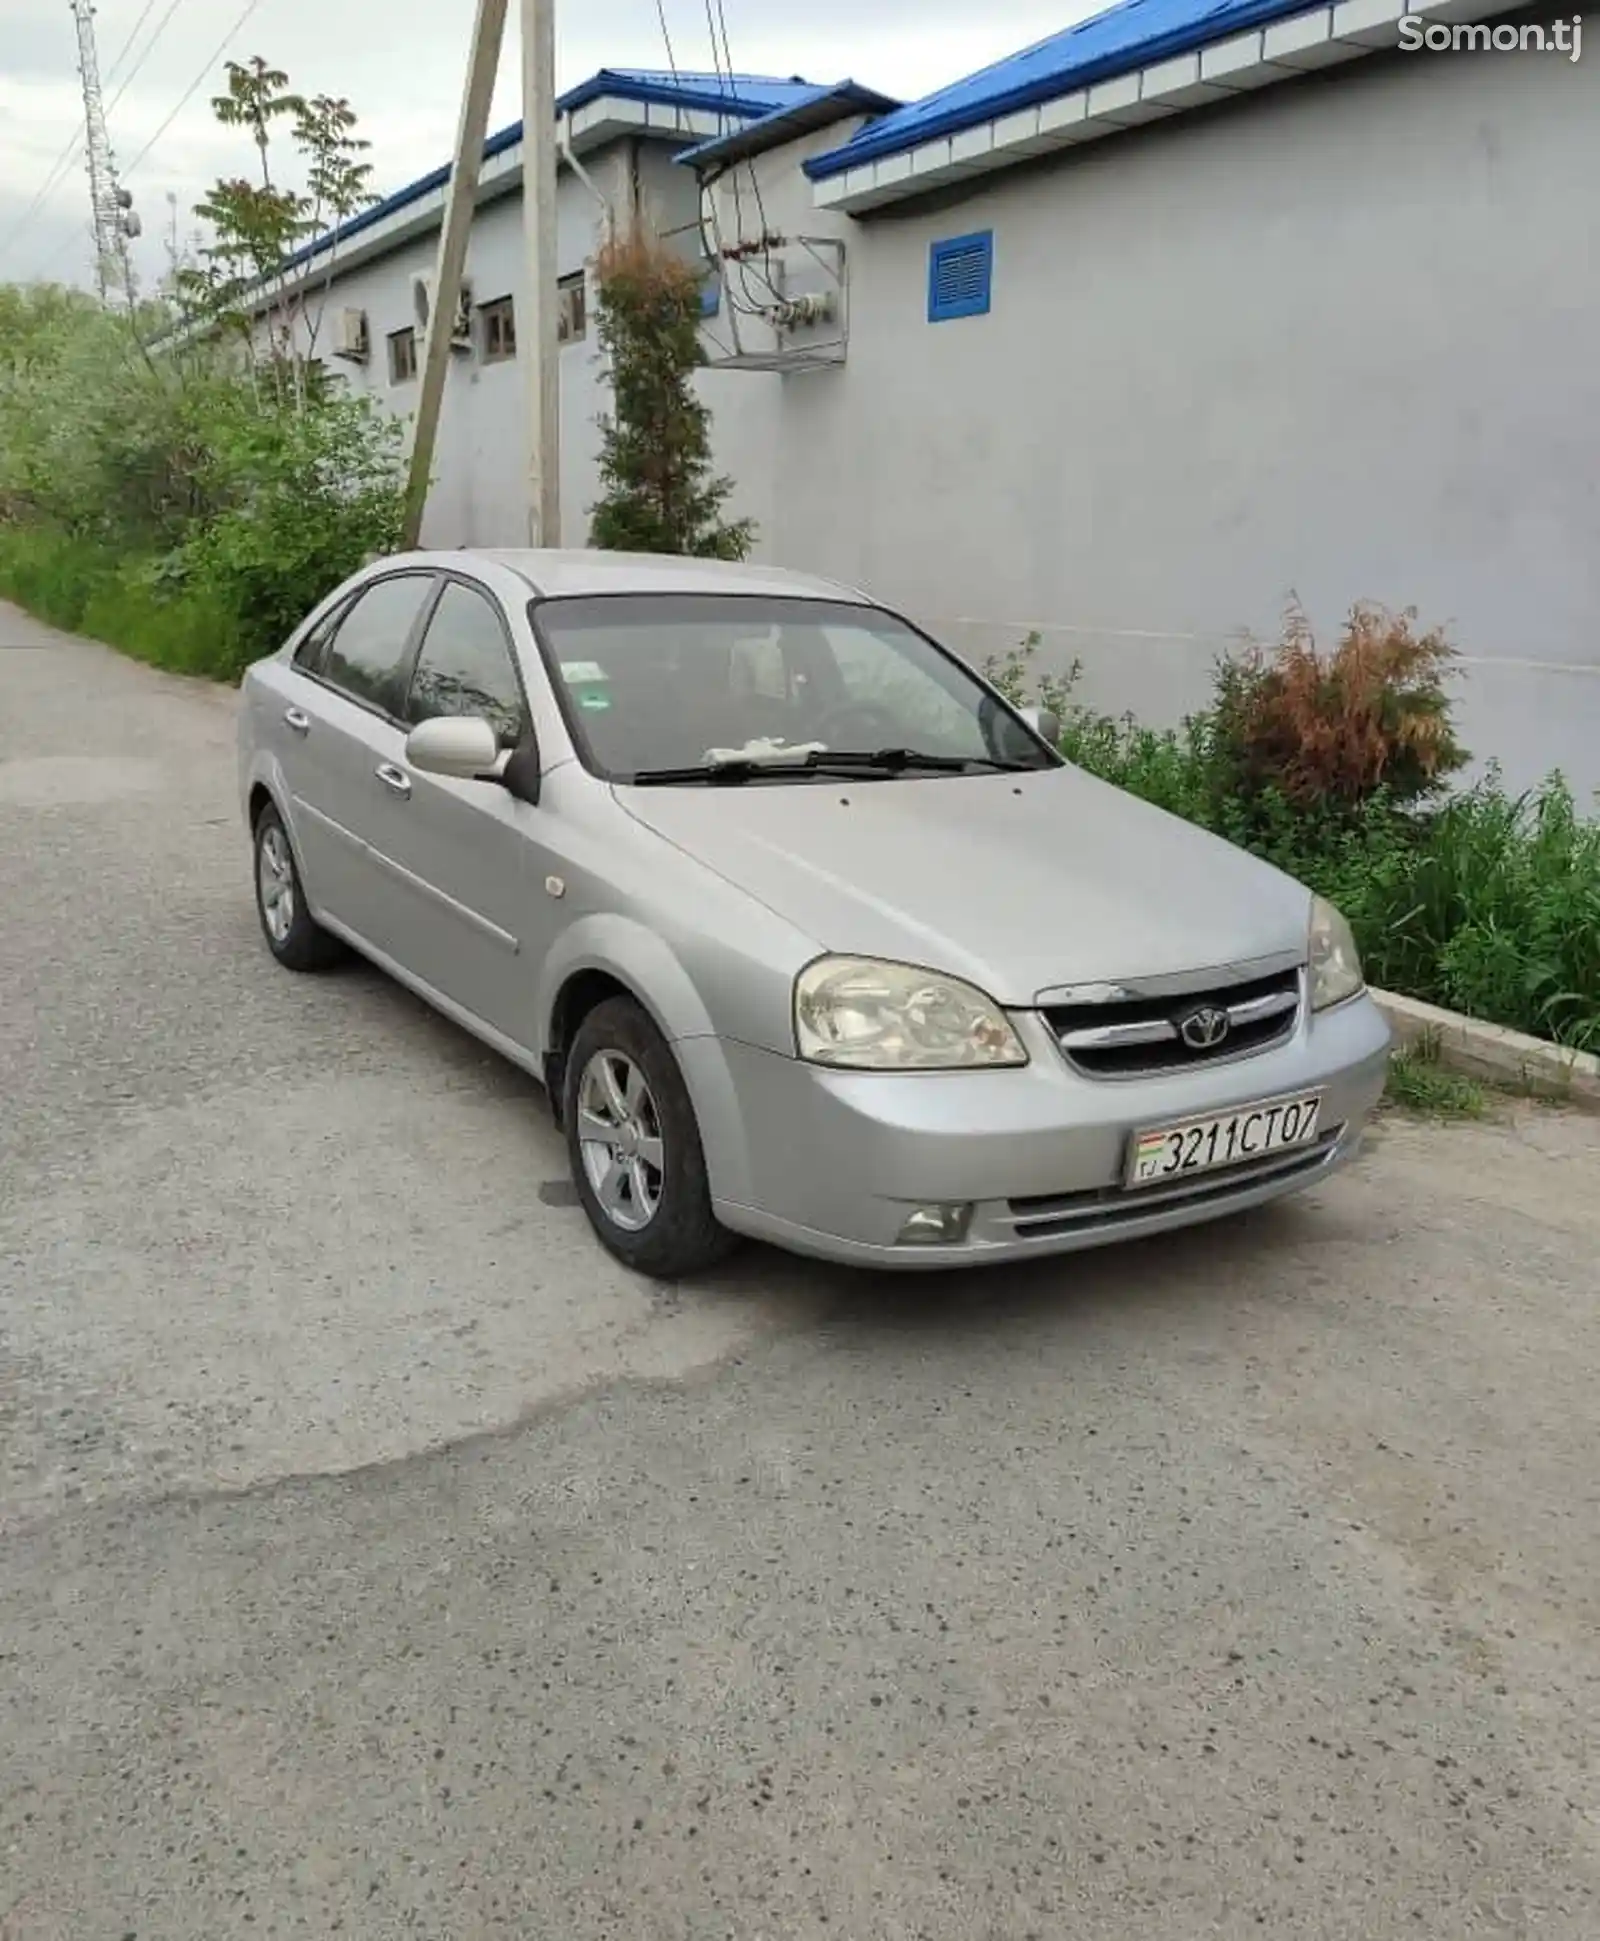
(275, 883)
(619, 1137)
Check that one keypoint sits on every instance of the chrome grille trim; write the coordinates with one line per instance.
(1155, 1031)
(1123, 1034)
(1191, 983)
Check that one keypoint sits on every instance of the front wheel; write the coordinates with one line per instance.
(634, 1146)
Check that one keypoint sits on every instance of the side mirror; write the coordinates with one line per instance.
(1044, 722)
(462, 745)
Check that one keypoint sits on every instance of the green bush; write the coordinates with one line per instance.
(188, 510)
(308, 495)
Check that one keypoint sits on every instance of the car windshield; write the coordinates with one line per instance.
(687, 688)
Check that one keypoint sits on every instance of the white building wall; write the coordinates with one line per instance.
(1338, 339)
(479, 497)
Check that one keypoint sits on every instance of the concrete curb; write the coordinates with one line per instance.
(1491, 1052)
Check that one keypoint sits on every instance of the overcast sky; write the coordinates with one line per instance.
(404, 82)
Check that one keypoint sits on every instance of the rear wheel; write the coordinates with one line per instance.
(293, 935)
(634, 1146)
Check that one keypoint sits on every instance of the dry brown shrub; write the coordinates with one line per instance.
(1335, 728)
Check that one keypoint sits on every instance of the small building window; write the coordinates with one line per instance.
(402, 355)
(960, 270)
(499, 330)
(572, 308)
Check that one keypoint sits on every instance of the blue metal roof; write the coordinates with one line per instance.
(811, 110)
(1125, 37)
(742, 95)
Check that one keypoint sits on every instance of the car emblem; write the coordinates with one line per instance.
(1205, 1029)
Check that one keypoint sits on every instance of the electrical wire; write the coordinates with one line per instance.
(736, 264)
(194, 86)
(149, 48)
(122, 51)
(718, 20)
(46, 189)
(666, 36)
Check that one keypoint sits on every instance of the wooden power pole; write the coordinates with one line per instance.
(536, 322)
(537, 328)
(488, 31)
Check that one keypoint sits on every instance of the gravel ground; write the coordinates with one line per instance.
(377, 1558)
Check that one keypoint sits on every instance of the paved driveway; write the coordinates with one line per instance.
(378, 1559)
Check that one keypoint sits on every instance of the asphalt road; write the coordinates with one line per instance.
(377, 1559)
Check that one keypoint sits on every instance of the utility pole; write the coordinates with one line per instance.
(536, 328)
(111, 205)
(483, 62)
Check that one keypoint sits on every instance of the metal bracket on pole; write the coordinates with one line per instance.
(488, 31)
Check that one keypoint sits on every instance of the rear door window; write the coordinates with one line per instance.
(308, 655)
(368, 654)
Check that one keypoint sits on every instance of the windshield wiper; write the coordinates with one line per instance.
(894, 760)
(829, 761)
(730, 773)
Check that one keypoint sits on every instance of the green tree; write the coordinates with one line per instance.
(255, 227)
(659, 494)
(337, 182)
(257, 96)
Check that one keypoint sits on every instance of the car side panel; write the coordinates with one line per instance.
(468, 912)
(340, 814)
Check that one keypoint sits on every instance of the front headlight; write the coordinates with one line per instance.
(871, 1016)
(1335, 962)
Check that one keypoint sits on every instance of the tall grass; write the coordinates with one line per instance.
(77, 585)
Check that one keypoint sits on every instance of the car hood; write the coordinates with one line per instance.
(1018, 882)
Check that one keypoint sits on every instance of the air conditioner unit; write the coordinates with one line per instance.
(350, 336)
(461, 324)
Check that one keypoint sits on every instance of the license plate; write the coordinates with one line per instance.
(1202, 1145)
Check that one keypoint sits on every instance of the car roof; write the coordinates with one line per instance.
(558, 574)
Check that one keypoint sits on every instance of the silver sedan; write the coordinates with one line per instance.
(808, 933)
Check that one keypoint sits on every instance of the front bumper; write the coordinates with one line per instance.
(831, 1163)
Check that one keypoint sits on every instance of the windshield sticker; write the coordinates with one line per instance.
(575, 672)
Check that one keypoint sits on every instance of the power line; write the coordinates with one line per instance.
(763, 274)
(666, 35)
(149, 48)
(47, 188)
(194, 86)
(122, 51)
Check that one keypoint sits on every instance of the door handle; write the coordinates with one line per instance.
(393, 778)
(297, 719)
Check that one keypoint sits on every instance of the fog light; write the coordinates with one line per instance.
(935, 1226)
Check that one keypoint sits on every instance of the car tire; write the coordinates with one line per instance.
(293, 935)
(634, 1146)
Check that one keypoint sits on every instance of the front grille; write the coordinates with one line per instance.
(1133, 1037)
(1047, 1216)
